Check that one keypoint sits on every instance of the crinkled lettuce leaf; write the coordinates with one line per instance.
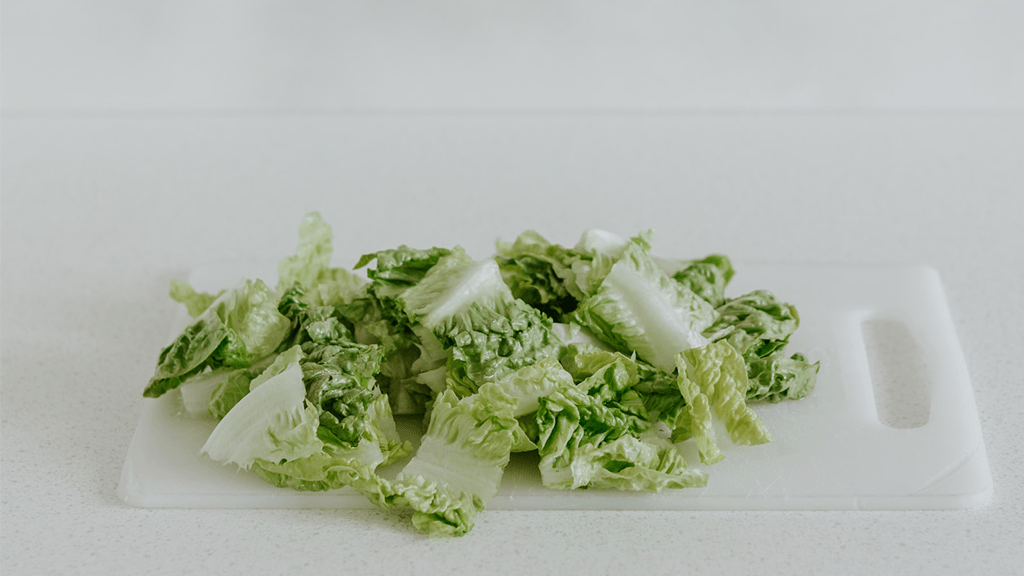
(483, 330)
(239, 328)
(340, 378)
(596, 434)
(312, 258)
(707, 277)
(778, 378)
(273, 422)
(638, 308)
(539, 273)
(714, 377)
(757, 325)
(396, 271)
(195, 302)
(460, 462)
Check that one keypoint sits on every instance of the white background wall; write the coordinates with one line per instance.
(61, 55)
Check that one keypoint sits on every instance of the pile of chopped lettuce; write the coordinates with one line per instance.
(601, 358)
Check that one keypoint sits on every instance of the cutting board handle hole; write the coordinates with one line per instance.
(899, 374)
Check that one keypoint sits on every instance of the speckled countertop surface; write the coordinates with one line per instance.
(100, 211)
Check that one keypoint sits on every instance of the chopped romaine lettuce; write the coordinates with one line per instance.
(600, 357)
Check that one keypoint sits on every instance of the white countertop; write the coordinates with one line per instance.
(100, 211)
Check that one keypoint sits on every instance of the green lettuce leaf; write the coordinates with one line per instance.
(239, 328)
(273, 422)
(332, 468)
(396, 271)
(484, 331)
(707, 277)
(596, 434)
(718, 372)
(312, 257)
(233, 385)
(585, 444)
(340, 377)
(459, 464)
(488, 343)
(538, 273)
(650, 464)
(755, 324)
(638, 308)
(598, 251)
(195, 302)
(778, 378)
(228, 392)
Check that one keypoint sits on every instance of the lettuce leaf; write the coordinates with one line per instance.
(340, 378)
(396, 271)
(273, 422)
(484, 331)
(716, 377)
(778, 378)
(757, 325)
(237, 329)
(596, 434)
(707, 277)
(312, 257)
(539, 273)
(195, 302)
(460, 462)
(638, 308)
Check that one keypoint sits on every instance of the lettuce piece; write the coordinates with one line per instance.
(309, 270)
(237, 329)
(488, 343)
(485, 332)
(599, 250)
(707, 277)
(312, 257)
(396, 271)
(596, 434)
(337, 466)
(460, 462)
(757, 325)
(454, 284)
(215, 392)
(650, 464)
(195, 302)
(331, 469)
(233, 385)
(341, 464)
(638, 308)
(280, 363)
(273, 422)
(403, 362)
(229, 392)
(336, 287)
(340, 378)
(696, 421)
(718, 372)
(778, 378)
(539, 273)
(197, 392)
(529, 384)
(587, 444)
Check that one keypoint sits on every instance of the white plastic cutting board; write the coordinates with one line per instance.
(831, 450)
